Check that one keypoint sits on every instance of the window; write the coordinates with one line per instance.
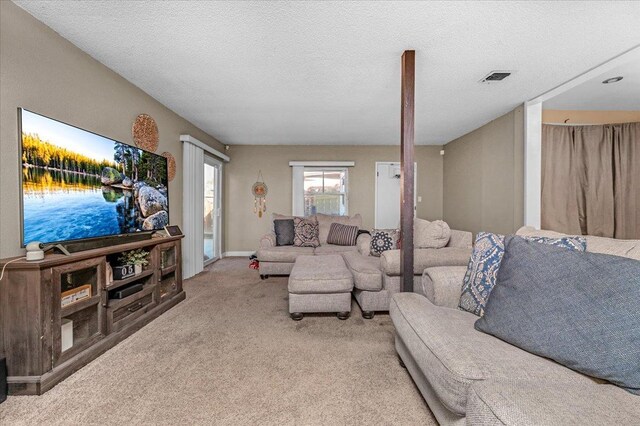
(320, 187)
(325, 191)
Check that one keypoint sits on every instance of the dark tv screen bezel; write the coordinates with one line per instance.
(21, 188)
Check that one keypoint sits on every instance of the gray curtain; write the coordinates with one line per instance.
(591, 179)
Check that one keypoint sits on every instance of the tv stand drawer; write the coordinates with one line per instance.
(122, 316)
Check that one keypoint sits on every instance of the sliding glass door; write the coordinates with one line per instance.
(212, 209)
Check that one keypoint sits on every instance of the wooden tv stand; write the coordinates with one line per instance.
(34, 325)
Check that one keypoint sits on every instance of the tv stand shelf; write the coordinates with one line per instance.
(45, 342)
(120, 283)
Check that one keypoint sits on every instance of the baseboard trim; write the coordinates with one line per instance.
(237, 253)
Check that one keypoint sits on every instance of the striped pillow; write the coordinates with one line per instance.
(342, 235)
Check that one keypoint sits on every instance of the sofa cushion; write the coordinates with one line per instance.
(325, 221)
(624, 248)
(485, 263)
(333, 249)
(460, 239)
(306, 232)
(342, 235)
(383, 240)
(427, 234)
(366, 271)
(545, 402)
(284, 231)
(580, 309)
(287, 254)
(452, 354)
(425, 258)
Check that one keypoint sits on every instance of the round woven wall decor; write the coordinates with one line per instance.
(145, 133)
(171, 165)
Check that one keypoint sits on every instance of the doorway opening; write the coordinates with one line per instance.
(387, 194)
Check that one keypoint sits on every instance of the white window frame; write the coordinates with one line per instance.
(297, 180)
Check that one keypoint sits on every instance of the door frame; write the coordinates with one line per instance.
(217, 222)
(375, 193)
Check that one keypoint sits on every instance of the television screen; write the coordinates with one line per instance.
(78, 185)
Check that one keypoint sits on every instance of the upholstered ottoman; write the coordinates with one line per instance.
(320, 284)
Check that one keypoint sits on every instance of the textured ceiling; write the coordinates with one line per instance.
(593, 95)
(329, 72)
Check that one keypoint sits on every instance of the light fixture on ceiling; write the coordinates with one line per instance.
(612, 80)
(496, 76)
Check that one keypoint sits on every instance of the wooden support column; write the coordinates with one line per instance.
(407, 159)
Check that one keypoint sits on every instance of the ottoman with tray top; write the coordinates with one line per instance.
(320, 284)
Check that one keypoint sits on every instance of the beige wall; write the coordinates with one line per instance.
(484, 177)
(43, 72)
(243, 228)
(589, 117)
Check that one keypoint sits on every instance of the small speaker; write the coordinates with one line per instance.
(3, 380)
(127, 291)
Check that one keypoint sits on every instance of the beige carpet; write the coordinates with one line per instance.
(230, 354)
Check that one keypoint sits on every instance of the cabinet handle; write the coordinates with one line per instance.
(134, 307)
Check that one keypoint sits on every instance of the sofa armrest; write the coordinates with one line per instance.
(364, 244)
(442, 285)
(425, 258)
(268, 240)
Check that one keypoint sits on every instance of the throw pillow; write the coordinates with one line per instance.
(427, 234)
(305, 232)
(482, 270)
(342, 235)
(325, 221)
(284, 232)
(383, 240)
(485, 262)
(578, 309)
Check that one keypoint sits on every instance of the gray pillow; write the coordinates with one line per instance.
(284, 232)
(579, 309)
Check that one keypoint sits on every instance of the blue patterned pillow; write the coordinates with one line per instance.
(485, 262)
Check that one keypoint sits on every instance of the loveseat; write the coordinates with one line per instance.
(467, 376)
(279, 260)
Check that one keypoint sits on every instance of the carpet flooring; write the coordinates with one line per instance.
(230, 354)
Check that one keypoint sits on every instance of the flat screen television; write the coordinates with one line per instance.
(78, 185)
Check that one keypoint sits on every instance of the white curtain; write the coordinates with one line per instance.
(192, 209)
(297, 185)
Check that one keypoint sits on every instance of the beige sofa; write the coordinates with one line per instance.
(376, 279)
(469, 377)
(279, 260)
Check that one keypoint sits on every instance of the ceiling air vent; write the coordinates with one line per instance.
(496, 76)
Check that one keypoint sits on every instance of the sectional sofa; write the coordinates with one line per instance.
(467, 376)
(376, 279)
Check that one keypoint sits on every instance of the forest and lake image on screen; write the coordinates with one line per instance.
(78, 185)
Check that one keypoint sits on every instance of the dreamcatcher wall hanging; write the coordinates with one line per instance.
(259, 191)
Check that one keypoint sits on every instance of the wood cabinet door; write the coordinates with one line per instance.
(77, 303)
